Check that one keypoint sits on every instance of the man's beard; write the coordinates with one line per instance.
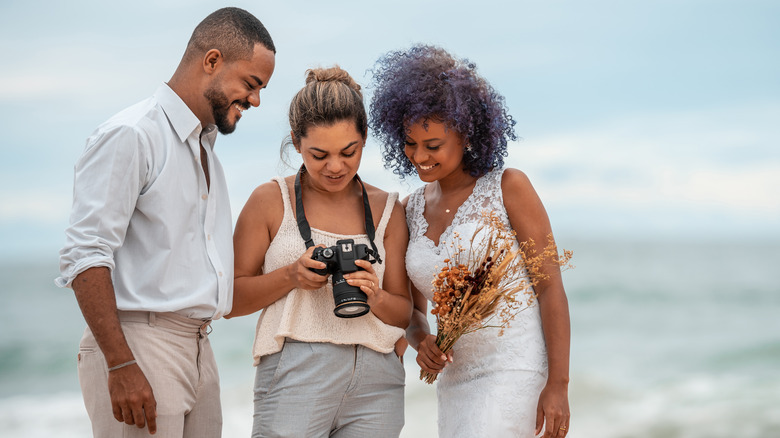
(220, 107)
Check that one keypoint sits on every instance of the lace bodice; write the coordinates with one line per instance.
(483, 354)
(486, 195)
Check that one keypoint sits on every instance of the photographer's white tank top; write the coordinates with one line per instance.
(307, 315)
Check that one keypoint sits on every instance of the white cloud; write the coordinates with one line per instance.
(33, 207)
(563, 67)
(50, 73)
(724, 159)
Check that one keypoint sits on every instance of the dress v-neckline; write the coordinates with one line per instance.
(424, 229)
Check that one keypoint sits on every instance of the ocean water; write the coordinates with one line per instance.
(669, 340)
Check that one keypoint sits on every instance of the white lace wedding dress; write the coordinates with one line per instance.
(492, 387)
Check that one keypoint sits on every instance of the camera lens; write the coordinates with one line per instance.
(351, 310)
(350, 301)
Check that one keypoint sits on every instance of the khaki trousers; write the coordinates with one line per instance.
(175, 355)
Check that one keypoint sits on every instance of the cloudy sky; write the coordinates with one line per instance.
(638, 119)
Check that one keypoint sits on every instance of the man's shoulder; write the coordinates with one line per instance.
(144, 122)
(144, 116)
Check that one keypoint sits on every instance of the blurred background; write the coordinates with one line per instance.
(649, 129)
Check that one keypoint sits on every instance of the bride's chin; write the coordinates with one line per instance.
(426, 176)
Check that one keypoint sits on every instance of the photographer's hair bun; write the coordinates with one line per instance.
(332, 74)
(329, 96)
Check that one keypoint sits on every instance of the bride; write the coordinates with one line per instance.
(439, 119)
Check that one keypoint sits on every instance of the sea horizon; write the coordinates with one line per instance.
(668, 340)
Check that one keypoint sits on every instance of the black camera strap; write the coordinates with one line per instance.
(300, 215)
(303, 224)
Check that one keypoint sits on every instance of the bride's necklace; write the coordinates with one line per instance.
(447, 210)
(470, 189)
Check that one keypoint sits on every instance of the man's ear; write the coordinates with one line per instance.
(212, 61)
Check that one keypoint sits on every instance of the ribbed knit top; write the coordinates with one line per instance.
(307, 315)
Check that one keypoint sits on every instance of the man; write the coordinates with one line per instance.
(149, 250)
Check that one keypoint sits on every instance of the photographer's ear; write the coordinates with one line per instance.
(296, 142)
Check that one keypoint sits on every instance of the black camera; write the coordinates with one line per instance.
(339, 260)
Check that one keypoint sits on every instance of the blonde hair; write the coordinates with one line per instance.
(329, 96)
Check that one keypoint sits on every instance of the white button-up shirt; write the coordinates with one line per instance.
(142, 208)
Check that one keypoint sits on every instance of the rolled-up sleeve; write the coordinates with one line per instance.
(108, 178)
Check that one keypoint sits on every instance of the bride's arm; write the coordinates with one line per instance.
(418, 327)
(529, 220)
(429, 356)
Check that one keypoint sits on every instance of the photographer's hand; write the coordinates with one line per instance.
(301, 275)
(367, 281)
(391, 307)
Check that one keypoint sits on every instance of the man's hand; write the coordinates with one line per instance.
(131, 395)
(132, 399)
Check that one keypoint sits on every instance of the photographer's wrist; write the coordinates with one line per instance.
(290, 276)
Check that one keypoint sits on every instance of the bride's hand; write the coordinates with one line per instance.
(552, 412)
(429, 356)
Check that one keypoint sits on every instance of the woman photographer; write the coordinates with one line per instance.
(319, 374)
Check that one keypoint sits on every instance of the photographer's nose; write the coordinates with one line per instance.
(334, 166)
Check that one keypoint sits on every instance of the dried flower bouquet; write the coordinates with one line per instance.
(493, 284)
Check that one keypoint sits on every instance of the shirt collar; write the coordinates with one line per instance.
(183, 120)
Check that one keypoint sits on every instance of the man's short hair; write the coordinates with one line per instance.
(232, 31)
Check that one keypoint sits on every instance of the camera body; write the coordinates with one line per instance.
(340, 259)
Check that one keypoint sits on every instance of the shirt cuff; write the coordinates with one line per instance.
(69, 273)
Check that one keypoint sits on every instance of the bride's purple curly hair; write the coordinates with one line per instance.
(427, 83)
